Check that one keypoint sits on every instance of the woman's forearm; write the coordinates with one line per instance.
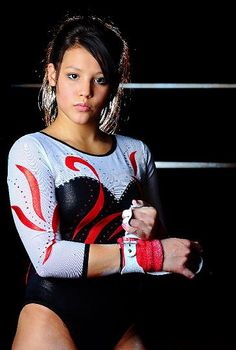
(104, 259)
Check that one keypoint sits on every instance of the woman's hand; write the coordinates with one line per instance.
(181, 256)
(144, 221)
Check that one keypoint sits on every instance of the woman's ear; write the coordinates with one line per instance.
(51, 74)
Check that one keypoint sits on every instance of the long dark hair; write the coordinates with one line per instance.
(106, 44)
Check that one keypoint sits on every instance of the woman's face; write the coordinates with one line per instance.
(81, 89)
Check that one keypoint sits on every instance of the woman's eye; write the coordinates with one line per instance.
(100, 81)
(72, 76)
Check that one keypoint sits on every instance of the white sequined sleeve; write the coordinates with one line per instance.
(34, 207)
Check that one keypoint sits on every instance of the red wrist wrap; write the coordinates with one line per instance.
(150, 255)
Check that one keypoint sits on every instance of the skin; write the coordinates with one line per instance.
(40, 328)
(144, 221)
(177, 251)
(80, 82)
(130, 340)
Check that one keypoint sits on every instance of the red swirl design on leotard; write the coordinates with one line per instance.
(34, 189)
(55, 222)
(133, 161)
(98, 206)
(36, 202)
(70, 163)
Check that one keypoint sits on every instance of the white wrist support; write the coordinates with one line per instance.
(131, 265)
(129, 247)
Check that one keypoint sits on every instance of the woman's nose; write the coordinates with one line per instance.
(85, 89)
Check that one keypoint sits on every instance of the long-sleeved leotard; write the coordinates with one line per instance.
(64, 199)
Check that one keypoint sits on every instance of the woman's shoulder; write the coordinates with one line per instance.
(128, 139)
(30, 140)
(132, 142)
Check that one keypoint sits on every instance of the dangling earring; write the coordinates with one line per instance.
(47, 102)
(49, 97)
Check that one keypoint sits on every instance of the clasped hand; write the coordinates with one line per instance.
(180, 255)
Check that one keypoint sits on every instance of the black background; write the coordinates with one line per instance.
(170, 43)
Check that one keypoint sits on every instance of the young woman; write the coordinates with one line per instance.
(70, 186)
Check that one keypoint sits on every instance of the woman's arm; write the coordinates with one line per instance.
(147, 223)
(34, 206)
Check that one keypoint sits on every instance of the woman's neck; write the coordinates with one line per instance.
(87, 138)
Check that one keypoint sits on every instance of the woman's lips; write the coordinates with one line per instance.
(82, 107)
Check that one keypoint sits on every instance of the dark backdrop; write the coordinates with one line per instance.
(169, 44)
